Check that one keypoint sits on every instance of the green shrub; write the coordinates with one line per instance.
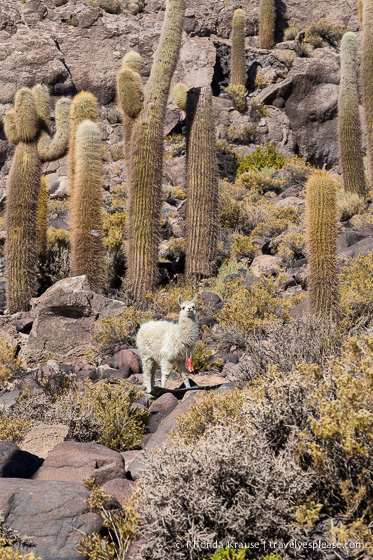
(349, 204)
(261, 157)
(229, 554)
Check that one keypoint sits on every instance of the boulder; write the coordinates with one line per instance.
(52, 514)
(160, 436)
(364, 246)
(159, 410)
(264, 263)
(41, 439)
(72, 461)
(15, 463)
(301, 309)
(129, 358)
(64, 320)
(121, 488)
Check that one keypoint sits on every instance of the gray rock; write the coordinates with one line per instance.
(50, 513)
(159, 410)
(364, 246)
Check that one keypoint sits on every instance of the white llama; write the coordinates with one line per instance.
(161, 343)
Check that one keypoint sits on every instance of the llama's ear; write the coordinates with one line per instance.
(195, 298)
(180, 300)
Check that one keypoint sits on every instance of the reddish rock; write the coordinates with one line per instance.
(301, 309)
(129, 456)
(121, 488)
(71, 461)
(129, 358)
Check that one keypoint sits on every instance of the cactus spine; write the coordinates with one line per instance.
(238, 58)
(146, 138)
(84, 106)
(27, 126)
(349, 128)
(42, 218)
(267, 24)
(87, 250)
(202, 209)
(322, 232)
(367, 80)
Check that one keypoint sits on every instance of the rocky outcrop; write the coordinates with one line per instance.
(64, 318)
(71, 461)
(15, 463)
(27, 507)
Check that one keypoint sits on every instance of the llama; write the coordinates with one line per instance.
(162, 343)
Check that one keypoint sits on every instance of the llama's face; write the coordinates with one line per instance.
(188, 308)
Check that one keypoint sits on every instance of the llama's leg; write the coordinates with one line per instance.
(166, 369)
(153, 372)
(147, 369)
(184, 373)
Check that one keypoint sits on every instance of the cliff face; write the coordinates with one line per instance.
(79, 46)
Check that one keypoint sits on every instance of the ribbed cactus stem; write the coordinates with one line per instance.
(349, 128)
(360, 8)
(367, 80)
(87, 250)
(52, 148)
(147, 137)
(25, 115)
(20, 221)
(42, 217)
(322, 233)
(83, 106)
(10, 127)
(267, 24)
(202, 208)
(179, 94)
(238, 58)
(27, 127)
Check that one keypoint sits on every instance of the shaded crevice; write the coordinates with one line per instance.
(221, 74)
(74, 90)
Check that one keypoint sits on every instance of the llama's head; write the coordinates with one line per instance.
(188, 308)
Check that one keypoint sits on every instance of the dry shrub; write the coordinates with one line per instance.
(113, 332)
(356, 286)
(11, 366)
(306, 339)
(262, 306)
(218, 490)
(320, 30)
(292, 244)
(349, 204)
(13, 429)
(100, 412)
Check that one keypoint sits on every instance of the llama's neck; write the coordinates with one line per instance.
(189, 330)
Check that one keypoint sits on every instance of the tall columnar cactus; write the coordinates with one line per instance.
(42, 218)
(367, 80)
(203, 190)
(87, 250)
(322, 232)
(203, 187)
(84, 106)
(238, 58)
(267, 24)
(27, 126)
(146, 138)
(349, 128)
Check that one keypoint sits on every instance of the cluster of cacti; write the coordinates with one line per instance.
(27, 126)
(367, 79)
(144, 137)
(322, 233)
(349, 128)
(87, 249)
(238, 57)
(267, 24)
(203, 189)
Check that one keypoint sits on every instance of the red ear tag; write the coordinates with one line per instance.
(189, 364)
